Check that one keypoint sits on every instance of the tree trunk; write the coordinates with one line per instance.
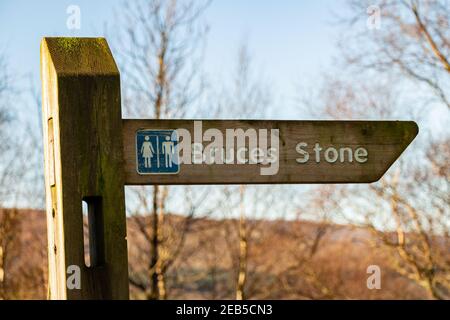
(242, 273)
(156, 275)
(160, 268)
(153, 293)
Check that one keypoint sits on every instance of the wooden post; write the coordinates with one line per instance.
(83, 161)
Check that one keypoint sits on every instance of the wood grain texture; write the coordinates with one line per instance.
(83, 158)
(384, 140)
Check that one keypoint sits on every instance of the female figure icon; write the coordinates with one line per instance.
(147, 152)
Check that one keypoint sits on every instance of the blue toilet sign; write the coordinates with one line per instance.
(156, 152)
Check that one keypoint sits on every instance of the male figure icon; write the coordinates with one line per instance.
(168, 149)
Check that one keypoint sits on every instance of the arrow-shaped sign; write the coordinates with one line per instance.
(261, 151)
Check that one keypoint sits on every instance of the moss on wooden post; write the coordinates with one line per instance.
(84, 161)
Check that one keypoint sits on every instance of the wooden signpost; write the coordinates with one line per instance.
(91, 153)
(295, 151)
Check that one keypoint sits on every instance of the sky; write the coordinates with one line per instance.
(289, 40)
(292, 42)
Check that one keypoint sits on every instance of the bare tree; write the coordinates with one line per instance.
(8, 221)
(247, 96)
(411, 199)
(158, 49)
(413, 38)
(11, 183)
(421, 239)
(307, 275)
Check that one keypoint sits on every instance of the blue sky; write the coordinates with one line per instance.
(289, 40)
(292, 41)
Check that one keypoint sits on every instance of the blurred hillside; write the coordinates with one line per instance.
(281, 264)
